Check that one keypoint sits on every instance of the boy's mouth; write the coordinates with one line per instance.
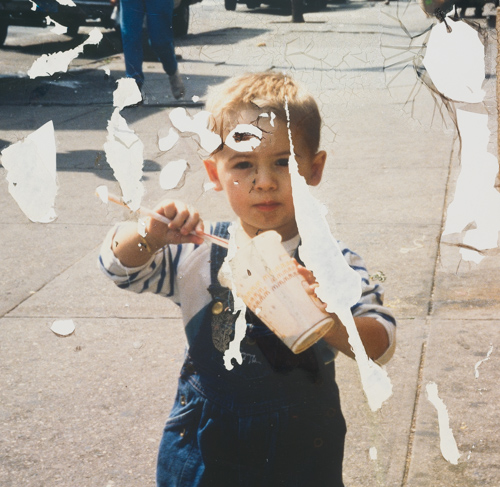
(267, 205)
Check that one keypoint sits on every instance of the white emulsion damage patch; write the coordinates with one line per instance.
(124, 153)
(476, 200)
(198, 125)
(48, 64)
(339, 285)
(127, 93)
(172, 173)
(455, 61)
(58, 28)
(240, 327)
(165, 143)
(447, 442)
(31, 173)
(244, 138)
(63, 328)
(481, 362)
(124, 150)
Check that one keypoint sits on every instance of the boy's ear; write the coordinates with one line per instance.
(318, 164)
(213, 175)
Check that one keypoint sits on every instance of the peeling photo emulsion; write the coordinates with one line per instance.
(476, 201)
(455, 61)
(447, 441)
(31, 173)
(172, 173)
(124, 149)
(48, 64)
(339, 285)
(451, 64)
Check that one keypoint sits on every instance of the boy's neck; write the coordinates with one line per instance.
(287, 239)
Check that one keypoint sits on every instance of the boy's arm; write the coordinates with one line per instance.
(372, 333)
(133, 250)
(375, 323)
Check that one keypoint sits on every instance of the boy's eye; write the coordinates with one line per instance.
(282, 162)
(242, 165)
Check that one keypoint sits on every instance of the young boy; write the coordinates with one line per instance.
(274, 420)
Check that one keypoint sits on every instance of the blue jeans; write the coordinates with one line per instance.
(159, 15)
(252, 433)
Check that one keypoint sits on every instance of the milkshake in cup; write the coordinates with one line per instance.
(267, 280)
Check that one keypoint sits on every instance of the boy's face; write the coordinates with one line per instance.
(257, 183)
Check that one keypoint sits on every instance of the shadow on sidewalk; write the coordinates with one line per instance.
(111, 43)
(92, 87)
(85, 161)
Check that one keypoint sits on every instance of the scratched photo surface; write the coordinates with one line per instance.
(88, 371)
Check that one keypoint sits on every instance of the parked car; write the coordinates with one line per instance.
(95, 12)
(477, 5)
(439, 8)
(309, 5)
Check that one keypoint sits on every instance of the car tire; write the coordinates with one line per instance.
(230, 4)
(4, 27)
(180, 22)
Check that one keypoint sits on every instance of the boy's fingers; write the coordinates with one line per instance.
(309, 288)
(179, 218)
(190, 222)
(196, 239)
(184, 219)
(306, 274)
(200, 227)
(167, 208)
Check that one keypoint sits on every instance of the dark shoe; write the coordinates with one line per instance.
(177, 85)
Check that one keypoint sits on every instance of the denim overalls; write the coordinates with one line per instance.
(273, 421)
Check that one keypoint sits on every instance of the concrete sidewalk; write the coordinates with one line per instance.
(88, 410)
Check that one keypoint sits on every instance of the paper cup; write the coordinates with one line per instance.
(267, 280)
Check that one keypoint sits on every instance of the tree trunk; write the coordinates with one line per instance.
(297, 11)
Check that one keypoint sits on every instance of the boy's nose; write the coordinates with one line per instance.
(265, 181)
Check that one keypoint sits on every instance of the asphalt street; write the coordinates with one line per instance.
(88, 409)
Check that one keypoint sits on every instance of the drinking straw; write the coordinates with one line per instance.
(222, 242)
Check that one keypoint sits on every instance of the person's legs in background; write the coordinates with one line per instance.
(161, 37)
(131, 19)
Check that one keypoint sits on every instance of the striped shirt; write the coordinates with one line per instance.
(182, 274)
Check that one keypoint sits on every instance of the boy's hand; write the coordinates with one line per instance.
(132, 250)
(372, 333)
(310, 285)
(184, 220)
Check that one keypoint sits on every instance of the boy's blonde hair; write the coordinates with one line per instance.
(267, 92)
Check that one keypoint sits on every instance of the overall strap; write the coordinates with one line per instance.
(218, 253)
(296, 254)
(279, 356)
(219, 293)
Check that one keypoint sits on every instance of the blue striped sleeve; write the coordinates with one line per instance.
(158, 275)
(371, 302)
